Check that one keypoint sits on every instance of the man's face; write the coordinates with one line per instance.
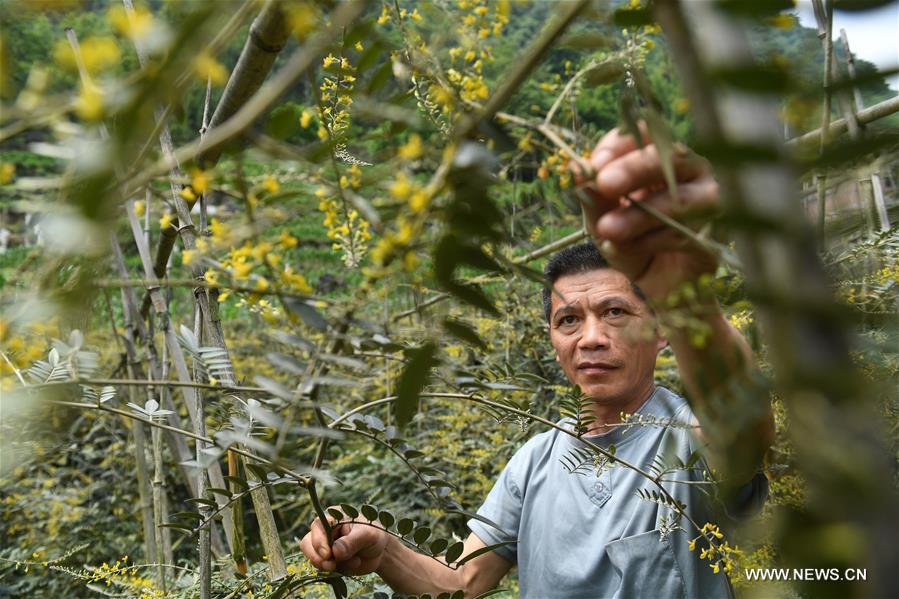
(604, 336)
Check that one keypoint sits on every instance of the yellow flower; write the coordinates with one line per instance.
(415, 16)
(328, 60)
(207, 67)
(525, 144)
(286, 240)
(782, 21)
(262, 284)
(692, 545)
(90, 103)
(188, 194)
(242, 269)
(273, 259)
(411, 149)
(133, 24)
(212, 278)
(418, 201)
(305, 119)
(219, 230)
(140, 208)
(97, 53)
(7, 172)
(270, 184)
(199, 180)
(187, 256)
(359, 47)
(405, 234)
(410, 261)
(166, 221)
(301, 18)
(400, 188)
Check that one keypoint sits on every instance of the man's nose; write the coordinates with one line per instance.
(594, 334)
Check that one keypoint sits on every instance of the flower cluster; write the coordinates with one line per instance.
(120, 574)
(720, 553)
(22, 346)
(557, 163)
(479, 23)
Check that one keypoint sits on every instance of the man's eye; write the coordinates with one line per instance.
(615, 312)
(570, 319)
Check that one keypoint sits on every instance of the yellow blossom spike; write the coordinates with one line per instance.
(140, 208)
(208, 68)
(188, 194)
(166, 221)
(7, 172)
(411, 149)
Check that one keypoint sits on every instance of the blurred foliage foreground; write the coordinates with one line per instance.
(234, 298)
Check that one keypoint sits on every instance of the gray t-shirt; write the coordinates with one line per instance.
(583, 535)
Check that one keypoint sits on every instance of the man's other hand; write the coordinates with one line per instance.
(357, 548)
(651, 254)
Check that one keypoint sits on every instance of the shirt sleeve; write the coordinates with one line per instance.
(749, 499)
(503, 508)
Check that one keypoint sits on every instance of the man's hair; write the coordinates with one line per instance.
(575, 259)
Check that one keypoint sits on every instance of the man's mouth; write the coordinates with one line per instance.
(596, 368)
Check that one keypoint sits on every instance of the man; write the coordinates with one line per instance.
(593, 536)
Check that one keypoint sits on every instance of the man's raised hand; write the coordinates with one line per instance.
(650, 253)
(357, 548)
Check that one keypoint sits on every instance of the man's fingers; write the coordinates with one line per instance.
(643, 168)
(311, 552)
(628, 223)
(319, 538)
(613, 144)
(362, 541)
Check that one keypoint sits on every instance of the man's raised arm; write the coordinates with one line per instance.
(711, 354)
(361, 549)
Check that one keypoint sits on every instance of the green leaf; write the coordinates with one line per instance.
(413, 379)
(370, 512)
(244, 485)
(633, 17)
(307, 313)
(338, 586)
(586, 40)
(260, 472)
(482, 551)
(405, 526)
(176, 526)
(768, 78)
(349, 510)
(335, 513)
(438, 545)
(463, 332)
(420, 535)
(223, 492)
(283, 121)
(203, 501)
(386, 519)
(756, 8)
(605, 72)
(453, 553)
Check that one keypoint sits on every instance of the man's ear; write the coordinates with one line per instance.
(661, 343)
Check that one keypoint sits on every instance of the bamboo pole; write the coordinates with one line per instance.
(824, 17)
(188, 389)
(267, 37)
(876, 187)
(158, 519)
(203, 539)
(839, 126)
